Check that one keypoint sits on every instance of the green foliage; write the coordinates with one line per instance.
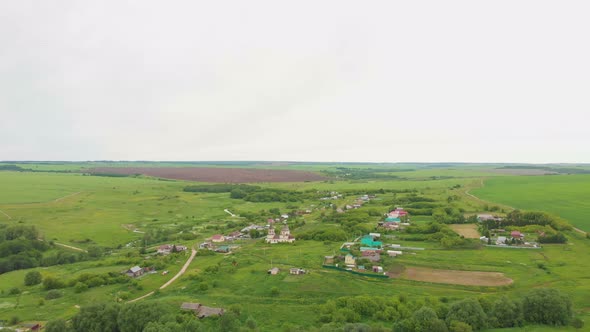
(50, 282)
(101, 317)
(80, 287)
(457, 326)
(507, 312)
(33, 278)
(53, 294)
(547, 306)
(467, 311)
(57, 325)
(14, 291)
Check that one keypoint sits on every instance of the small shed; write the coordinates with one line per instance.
(134, 272)
(273, 271)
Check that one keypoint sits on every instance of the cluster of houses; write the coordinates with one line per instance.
(371, 250)
(395, 220)
(333, 195)
(357, 203)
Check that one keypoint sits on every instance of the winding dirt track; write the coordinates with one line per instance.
(180, 273)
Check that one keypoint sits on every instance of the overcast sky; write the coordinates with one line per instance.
(388, 81)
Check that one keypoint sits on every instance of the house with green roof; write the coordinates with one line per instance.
(368, 241)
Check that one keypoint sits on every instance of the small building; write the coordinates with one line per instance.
(349, 260)
(205, 245)
(135, 272)
(218, 238)
(394, 253)
(368, 241)
(169, 248)
(296, 271)
(501, 240)
(516, 235)
(273, 271)
(202, 311)
(393, 219)
(377, 269)
(223, 249)
(361, 267)
(375, 235)
(486, 217)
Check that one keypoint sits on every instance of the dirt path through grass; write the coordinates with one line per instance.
(67, 196)
(7, 216)
(70, 247)
(178, 275)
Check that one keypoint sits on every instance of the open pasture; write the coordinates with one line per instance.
(567, 196)
(220, 175)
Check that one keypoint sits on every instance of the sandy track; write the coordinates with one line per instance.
(455, 277)
(68, 246)
(178, 275)
(66, 196)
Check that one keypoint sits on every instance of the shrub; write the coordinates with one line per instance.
(53, 294)
(80, 287)
(14, 291)
(53, 283)
(33, 278)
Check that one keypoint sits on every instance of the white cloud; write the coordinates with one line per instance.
(263, 80)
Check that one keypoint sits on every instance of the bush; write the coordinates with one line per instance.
(53, 294)
(80, 287)
(53, 283)
(33, 278)
(547, 306)
(14, 291)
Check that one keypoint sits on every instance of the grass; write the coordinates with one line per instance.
(105, 205)
(563, 195)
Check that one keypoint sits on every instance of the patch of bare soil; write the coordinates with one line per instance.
(469, 231)
(467, 278)
(211, 174)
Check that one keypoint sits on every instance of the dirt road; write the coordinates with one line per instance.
(4, 213)
(180, 273)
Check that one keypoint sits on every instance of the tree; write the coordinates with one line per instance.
(425, 319)
(547, 306)
(460, 327)
(95, 251)
(577, 323)
(467, 311)
(100, 317)
(507, 312)
(33, 278)
(135, 316)
(57, 325)
(251, 323)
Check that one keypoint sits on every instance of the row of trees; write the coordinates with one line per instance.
(540, 306)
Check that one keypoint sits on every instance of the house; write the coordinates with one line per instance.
(516, 235)
(284, 237)
(349, 260)
(273, 271)
(223, 249)
(31, 327)
(371, 255)
(391, 225)
(370, 249)
(205, 245)
(377, 269)
(361, 267)
(202, 311)
(375, 235)
(218, 238)
(285, 216)
(168, 248)
(296, 271)
(393, 219)
(134, 272)
(368, 241)
(501, 240)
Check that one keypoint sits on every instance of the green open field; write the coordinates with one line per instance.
(567, 196)
(106, 210)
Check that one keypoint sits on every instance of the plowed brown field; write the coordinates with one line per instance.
(468, 278)
(210, 174)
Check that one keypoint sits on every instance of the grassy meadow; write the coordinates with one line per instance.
(71, 208)
(567, 196)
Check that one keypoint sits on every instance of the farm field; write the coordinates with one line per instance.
(567, 196)
(125, 214)
(221, 175)
(468, 231)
